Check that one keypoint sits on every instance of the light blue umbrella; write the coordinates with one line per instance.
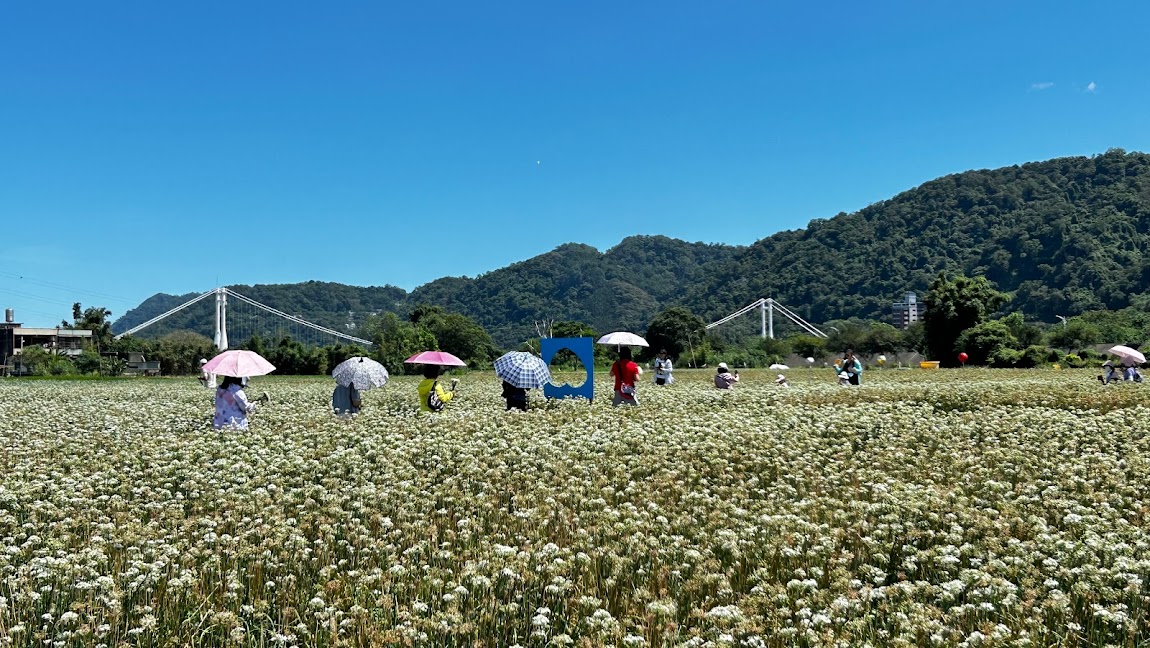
(523, 370)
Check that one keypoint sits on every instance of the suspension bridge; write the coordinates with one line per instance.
(242, 318)
(238, 317)
(767, 308)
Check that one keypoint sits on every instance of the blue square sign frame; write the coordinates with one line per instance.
(583, 349)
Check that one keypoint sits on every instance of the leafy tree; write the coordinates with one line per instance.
(89, 361)
(914, 338)
(423, 311)
(984, 342)
(1075, 334)
(846, 335)
(396, 340)
(94, 319)
(808, 346)
(43, 363)
(953, 306)
(675, 329)
(1026, 334)
(774, 349)
(292, 357)
(1129, 326)
(179, 353)
(881, 338)
(255, 344)
(460, 336)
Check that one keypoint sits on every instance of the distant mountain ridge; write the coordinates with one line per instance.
(571, 282)
(1061, 236)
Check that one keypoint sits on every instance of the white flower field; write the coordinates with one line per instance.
(926, 508)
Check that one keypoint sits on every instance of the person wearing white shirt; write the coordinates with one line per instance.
(663, 369)
(207, 379)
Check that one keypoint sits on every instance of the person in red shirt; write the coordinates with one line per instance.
(626, 373)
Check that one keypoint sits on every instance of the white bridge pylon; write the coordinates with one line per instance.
(221, 333)
(767, 308)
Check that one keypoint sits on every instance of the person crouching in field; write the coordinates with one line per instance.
(724, 379)
(849, 369)
(1109, 373)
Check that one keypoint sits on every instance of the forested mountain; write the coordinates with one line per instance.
(623, 288)
(1061, 237)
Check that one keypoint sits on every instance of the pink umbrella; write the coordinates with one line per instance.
(239, 363)
(436, 358)
(1129, 356)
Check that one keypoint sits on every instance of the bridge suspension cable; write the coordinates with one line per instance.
(136, 329)
(221, 318)
(767, 308)
(298, 320)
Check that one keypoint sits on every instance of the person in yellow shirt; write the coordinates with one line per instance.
(431, 382)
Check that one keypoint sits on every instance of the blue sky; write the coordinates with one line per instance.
(164, 147)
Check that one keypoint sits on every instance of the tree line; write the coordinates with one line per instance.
(962, 315)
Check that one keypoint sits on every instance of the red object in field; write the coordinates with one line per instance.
(962, 357)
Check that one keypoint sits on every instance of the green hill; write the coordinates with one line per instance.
(1062, 237)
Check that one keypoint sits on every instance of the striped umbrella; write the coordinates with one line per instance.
(523, 370)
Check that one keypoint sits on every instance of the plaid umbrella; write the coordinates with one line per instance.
(360, 372)
(523, 370)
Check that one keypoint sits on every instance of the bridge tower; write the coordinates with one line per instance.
(221, 338)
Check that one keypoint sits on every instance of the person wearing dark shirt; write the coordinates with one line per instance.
(515, 396)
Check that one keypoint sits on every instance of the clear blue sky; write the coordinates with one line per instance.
(166, 146)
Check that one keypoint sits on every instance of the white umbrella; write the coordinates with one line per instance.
(779, 367)
(622, 338)
(1128, 355)
(360, 372)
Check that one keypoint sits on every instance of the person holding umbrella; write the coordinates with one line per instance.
(519, 372)
(352, 375)
(1130, 358)
(232, 405)
(345, 400)
(432, 396)
(626, 372)
(515, 396)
